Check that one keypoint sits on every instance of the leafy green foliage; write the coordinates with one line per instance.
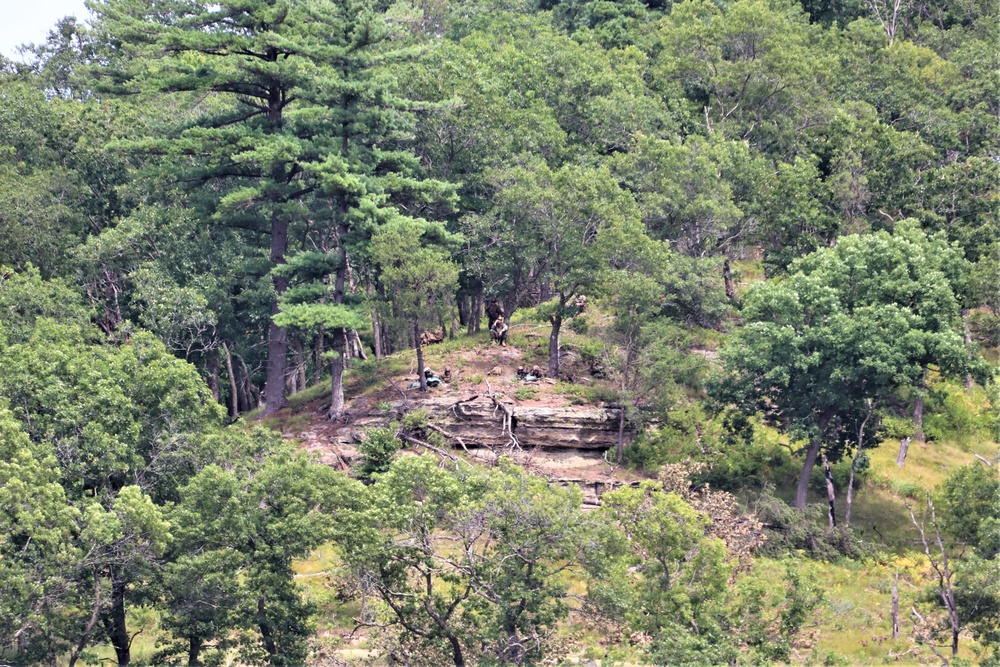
(282, 173)
(377, 450)
(970, 500)
(853, 323)
(498, 595)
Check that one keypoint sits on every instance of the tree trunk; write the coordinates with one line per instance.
(918, 409)
(377, 334)
(291, 382)
(194, 650)
(554, 345)
(356, 346)
(854, 462)
(212, 366)
(476, 316)
(318, 355)
(337, 374)
(300, 363)
(830, 495)
(463, 309)
(266, 636)
(895, 607)
(234, 396)
(277, 339)
(420, 354)
(904, 446)
(253, 398)
(115, 623)
(387, 346)
(727, 276)
(621, 433)
(456, 650)
(968, 343)
(802, 492)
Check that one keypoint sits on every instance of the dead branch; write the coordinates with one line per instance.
(508, 417)
(450, 436)
(406, 402)
(436, 450)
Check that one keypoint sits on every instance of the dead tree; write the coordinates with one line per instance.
(854, 461)
(942, 570)
(904, 446)
(831, 496)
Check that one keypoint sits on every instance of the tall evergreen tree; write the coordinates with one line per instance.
(288, 88)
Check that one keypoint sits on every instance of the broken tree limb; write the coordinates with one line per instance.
(436, 450)
(453, 409)
(450, 436)
(507, 428)
(406, 402)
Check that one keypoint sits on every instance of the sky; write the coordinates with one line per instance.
(23, 21)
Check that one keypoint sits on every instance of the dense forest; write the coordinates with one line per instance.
(762, 235)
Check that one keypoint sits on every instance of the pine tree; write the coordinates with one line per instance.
(288, 89)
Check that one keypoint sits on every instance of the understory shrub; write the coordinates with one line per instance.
(790, 530)
(377, 451)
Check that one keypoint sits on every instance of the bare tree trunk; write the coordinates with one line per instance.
(300, 363)
(968, 343)
(264, 625)
(830, 495)
(895, 607)
(802, 492)
(377, 334)
(621, 434)
(114, 623)
(456, 651)
(76, 650)
(387, 347)
(291, 382)
(942, 569)
(918, 409)
(234, 396)
(277, 340)
(554, 345)
(904, 446)
(318, 355)
(212, 366)
(253, 400)
(337, 374)
(727, 276)
(463, 309)
(355, 346)
(854, 461)
(420, 354)
(194, 650)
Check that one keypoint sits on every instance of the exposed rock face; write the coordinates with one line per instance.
(479, 423)
(563, 444)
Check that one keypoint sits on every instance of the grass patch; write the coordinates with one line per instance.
(581, 394)
(927, 465)
(855, 622)
(525, 393)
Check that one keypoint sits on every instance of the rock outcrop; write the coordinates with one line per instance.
(480, 423)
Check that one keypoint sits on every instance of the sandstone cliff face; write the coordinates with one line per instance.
(480, 423)
(564, 444)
